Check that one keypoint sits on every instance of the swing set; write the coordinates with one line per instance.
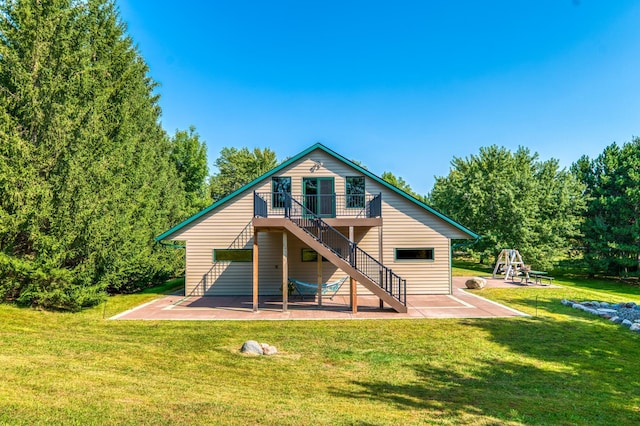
(510, 264)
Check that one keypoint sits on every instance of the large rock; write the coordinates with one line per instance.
(476, 283)
(252, 347)
(267, 349)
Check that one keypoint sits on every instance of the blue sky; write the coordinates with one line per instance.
(401, 86)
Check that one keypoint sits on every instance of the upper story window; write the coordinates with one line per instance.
(279, 186)
(354, 191)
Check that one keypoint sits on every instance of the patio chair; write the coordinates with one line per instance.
(309, 289)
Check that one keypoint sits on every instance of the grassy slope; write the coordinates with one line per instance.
(559, 367)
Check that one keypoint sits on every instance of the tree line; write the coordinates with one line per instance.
(88, 176)
(514, 200)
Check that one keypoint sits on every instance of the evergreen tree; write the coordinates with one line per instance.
(611, 230)
(95, 181)
(513, 200)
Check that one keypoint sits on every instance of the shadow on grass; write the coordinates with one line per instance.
(545, 372)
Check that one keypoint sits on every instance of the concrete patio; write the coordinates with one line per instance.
(462, 303)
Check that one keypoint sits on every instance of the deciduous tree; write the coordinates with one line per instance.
(189, 155)
(401, 184)
(513, 200)
(237, 167)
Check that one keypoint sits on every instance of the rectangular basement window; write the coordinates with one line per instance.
(310, 255)
(232, 255)
(418, 254)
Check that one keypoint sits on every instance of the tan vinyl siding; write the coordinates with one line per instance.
(229, 227)
(407, 225)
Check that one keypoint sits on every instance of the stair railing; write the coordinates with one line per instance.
(347, 250)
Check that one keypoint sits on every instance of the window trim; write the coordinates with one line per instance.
(273, 192)
(363, 195)
(432, 259)
(216, 251)
(319, 200)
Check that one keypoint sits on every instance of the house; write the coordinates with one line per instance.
(318, 217)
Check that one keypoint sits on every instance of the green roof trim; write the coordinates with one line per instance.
(297, 157)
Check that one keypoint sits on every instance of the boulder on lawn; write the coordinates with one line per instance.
(251, 347)
(268, 349)
(476, 283)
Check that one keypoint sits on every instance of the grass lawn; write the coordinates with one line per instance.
(561, 367)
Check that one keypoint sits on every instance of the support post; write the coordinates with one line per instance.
(319, 271)
(353, 287)
(380, 258)
(255, 271)
(354, 295)
(285, 272)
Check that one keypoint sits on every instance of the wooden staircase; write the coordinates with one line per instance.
(313, 242)
(346, 255)
(331, 244)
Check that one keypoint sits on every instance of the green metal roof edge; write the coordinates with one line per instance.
(398, 191)
(295, 158)
(220, 202)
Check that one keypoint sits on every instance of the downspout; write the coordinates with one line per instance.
(466, 243)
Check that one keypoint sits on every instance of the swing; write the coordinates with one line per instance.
(308, 289)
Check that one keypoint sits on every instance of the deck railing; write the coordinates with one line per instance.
(339, 244)
(274, 204)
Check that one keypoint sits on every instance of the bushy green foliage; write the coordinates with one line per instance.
(611, 230)
(513, 200)
(237, 167)
(86, 179)
(189, 155)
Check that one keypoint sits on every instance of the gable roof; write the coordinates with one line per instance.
(297, 157)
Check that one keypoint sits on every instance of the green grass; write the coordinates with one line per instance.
(466, 268)
(561, 367)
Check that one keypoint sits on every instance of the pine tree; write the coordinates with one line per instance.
(80, 114)
(611, 230)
